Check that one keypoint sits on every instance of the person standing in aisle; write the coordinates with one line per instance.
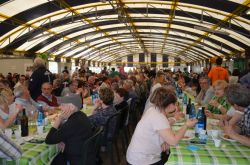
(218, 72)
(40, 75)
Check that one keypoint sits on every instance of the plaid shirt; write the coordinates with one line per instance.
(101, 116)
(8, 149)
(222, 101)
(245, 123)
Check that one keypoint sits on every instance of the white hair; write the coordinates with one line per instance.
(39, 62)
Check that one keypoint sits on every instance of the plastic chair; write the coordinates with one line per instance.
(111, 131)
(123, 126)
(91, 148)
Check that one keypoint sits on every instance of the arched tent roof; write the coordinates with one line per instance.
(107, 30)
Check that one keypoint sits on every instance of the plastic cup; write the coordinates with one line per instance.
(184, 107)
(8, 132)
(17, 133)
(217, 142)
(40, 130)
(215, 133)
(202, 135)
(46, 121)
(84, 107)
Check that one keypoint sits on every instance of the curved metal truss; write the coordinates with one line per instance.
(108, 30)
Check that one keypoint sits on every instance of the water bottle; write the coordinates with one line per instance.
(200, 124)
(192, 113)
(40, 118)
(185, 99)
(178, 91)
(93, 98)
(200, 127)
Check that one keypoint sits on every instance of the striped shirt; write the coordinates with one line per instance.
(8, 149)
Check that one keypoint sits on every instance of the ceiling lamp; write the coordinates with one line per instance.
(211, 30)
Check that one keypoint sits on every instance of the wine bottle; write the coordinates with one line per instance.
(188, 109)
(205, 118)
(24, 124)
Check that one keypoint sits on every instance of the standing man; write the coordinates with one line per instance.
(40, 75)
(218, 72)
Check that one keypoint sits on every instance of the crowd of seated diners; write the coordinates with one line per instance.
(153, 91)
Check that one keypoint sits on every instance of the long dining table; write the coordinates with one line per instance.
(228, 153)
(33, 152)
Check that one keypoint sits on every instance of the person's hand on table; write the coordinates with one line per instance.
(214, 103)
(228, 129)
(208, 113)
(61, 147)
(191, 123)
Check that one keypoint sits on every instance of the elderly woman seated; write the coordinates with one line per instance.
(239, 98)
(103, 108)
(219, 104)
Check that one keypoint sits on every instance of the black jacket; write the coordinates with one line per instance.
(38, 77)
(74, 132)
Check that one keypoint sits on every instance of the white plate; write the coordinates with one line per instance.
(231, 140)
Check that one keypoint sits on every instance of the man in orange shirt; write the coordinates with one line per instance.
(218, 73)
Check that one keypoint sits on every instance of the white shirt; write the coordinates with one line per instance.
(145, 145)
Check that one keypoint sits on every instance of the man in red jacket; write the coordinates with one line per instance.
(47, 99)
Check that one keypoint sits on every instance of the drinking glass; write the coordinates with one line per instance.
(40, 130)
(17, 133)
(8, 132)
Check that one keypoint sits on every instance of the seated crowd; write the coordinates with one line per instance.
(154, 92)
